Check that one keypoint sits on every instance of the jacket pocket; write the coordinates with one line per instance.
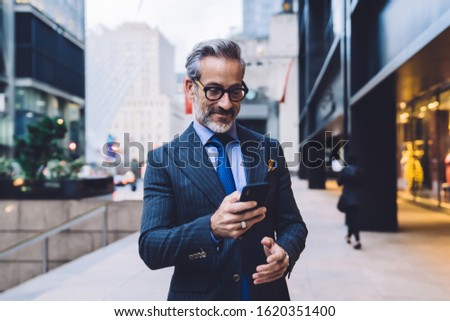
(189, 282)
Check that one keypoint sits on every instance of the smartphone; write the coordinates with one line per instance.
(255, 192)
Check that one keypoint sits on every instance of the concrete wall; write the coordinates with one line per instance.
(22, 219)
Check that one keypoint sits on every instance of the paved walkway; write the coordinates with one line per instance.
(413, 264)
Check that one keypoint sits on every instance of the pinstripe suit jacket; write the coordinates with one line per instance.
(182, 191)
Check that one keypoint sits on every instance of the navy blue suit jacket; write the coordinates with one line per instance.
(182, 191)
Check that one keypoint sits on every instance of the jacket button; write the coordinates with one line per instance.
(236, 278)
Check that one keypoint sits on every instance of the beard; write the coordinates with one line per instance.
(204, 116)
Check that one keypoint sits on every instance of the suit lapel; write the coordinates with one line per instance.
(253, 155)
(190, 157)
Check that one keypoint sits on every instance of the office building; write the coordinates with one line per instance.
(131, 89)
(41, 68)
(257, 15)
(376, 74)
(271, 106)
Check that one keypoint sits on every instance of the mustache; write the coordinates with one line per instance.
(221, 111)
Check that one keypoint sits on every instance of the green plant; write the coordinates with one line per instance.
(39, 146)
(75, 166)
(58, 169)
(6, 167)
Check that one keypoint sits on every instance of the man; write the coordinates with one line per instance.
(222, 249)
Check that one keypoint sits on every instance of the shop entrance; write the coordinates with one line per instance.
(423, 150)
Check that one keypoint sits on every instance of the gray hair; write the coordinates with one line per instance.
(223, 48)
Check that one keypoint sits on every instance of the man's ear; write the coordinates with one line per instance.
(188, 85)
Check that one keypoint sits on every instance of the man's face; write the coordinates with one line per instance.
(218, 115)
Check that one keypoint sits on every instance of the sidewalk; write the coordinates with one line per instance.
(413, 264)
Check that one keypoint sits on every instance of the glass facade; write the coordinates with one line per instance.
(69, 14)
(47, 56)
(423, 154)
(6, 135)
(32, 105)
(2, 44)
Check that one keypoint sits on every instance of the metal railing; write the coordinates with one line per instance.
(44, 236)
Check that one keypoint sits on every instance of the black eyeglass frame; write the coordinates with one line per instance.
(222, 90)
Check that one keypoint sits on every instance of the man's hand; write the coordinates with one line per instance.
(226, 221)
(277, 263)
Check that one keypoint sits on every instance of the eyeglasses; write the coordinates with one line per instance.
(214, 93)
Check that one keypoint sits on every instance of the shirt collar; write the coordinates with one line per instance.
(205, 133)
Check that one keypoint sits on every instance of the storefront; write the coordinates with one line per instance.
(423, 148)
(392, 60)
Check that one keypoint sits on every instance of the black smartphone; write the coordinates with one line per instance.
(255, 192)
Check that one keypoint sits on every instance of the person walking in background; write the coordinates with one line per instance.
(350, 201)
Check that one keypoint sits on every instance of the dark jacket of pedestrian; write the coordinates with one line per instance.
(351, 177)
(350, 201)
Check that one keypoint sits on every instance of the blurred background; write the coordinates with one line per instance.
(87, 88)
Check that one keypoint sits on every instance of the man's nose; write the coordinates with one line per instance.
(225, 101)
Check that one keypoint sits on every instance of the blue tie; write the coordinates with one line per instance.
(223, 165)
(225, 174)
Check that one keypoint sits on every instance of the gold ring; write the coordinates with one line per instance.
(243, 224)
